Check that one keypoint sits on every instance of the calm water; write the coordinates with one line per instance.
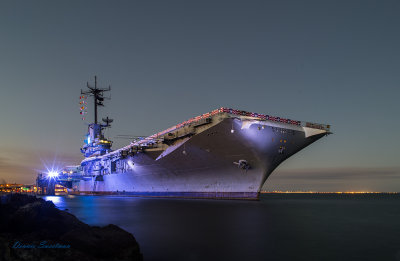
(278, 227)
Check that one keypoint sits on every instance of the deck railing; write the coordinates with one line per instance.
(256, 116)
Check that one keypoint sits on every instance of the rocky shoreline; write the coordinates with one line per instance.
(34, 229)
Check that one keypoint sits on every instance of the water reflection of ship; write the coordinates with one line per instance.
(225, 153)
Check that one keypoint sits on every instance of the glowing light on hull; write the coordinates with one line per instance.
(131, 164)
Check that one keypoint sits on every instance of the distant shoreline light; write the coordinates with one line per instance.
(326, 192)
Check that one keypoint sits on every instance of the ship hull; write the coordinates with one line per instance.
(206, 165)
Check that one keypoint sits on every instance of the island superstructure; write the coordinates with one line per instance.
(225, 153)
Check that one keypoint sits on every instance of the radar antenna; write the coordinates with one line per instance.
(107, 121)
(98, 95)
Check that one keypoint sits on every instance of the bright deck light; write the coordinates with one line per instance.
(52, 174)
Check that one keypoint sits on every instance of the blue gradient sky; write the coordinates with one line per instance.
(333, 62)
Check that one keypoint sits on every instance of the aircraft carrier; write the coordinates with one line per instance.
(223, 154)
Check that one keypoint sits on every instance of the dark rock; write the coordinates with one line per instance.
(30, 221)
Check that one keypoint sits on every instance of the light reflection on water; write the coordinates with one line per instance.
(57, 200)
(283, 227)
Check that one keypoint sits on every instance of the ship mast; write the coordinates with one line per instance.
(95, 143)
(98, 96)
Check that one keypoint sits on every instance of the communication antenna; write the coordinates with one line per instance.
(107, 124)
(98, 95)
(130, 137)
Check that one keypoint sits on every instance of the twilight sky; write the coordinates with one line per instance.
(334, 62)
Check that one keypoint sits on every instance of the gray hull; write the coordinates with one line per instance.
(206, 164)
